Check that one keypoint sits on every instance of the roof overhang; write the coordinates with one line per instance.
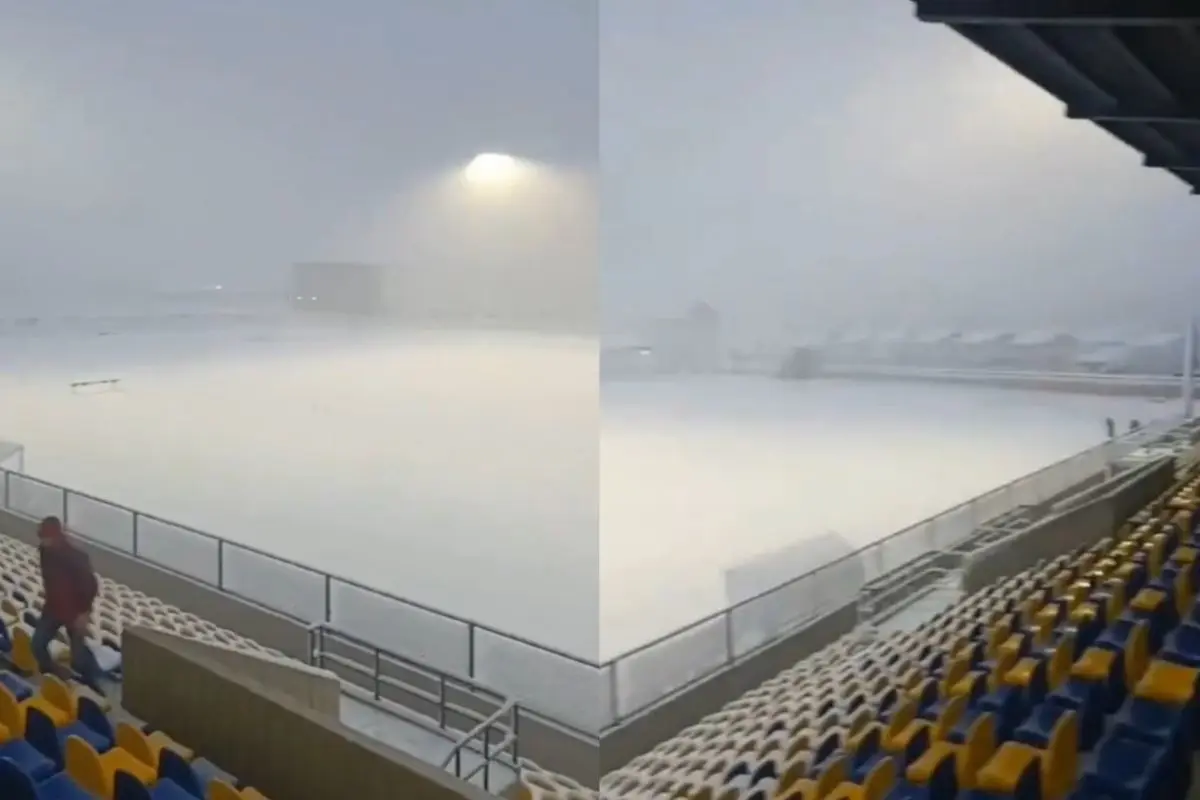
(1132, 68)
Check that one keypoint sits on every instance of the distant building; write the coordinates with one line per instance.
(348, 288)
(932, 348)
(1047, 351)
(1156, 354)
(852, 346)
(691, 343)
(888, 347)
(982, 349)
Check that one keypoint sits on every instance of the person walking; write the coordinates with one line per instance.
(70, 589)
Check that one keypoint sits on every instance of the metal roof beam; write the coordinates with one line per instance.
(1151, 115)
(1173, 166)
(1059, 12)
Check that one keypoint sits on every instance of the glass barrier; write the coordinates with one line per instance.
(549, 682)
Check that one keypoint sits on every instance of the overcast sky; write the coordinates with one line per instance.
(209, 142)
(818, 162)
(834, 160)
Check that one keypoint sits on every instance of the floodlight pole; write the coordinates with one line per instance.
(1189, 375)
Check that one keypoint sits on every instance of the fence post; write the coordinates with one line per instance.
(220, 563)
(729, 645)
(470, 649)
(136, 525)
(65, 521)
(614, 698)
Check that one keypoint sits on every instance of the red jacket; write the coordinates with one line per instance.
(67, 576)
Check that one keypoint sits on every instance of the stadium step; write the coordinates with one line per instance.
(418, 740)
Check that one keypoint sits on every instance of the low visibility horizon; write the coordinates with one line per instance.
(787, 163)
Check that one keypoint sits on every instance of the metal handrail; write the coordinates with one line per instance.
(470, 671)
(319, 655)
(509, 739)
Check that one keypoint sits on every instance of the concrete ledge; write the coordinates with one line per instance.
(315, 689)
(263, 736)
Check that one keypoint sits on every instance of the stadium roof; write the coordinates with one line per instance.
(1132, 67)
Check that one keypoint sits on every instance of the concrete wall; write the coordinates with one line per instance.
(317, 690)
(264, 737)
(1068, 530)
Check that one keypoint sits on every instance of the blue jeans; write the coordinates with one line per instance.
(83, 660)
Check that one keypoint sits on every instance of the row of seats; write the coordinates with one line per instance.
(59, 741)
(1077, 677)
(116, 606)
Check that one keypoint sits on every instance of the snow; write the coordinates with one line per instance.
(465, 471)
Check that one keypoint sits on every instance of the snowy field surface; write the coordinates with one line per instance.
(464, 472)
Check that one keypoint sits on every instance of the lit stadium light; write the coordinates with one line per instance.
(493, 169)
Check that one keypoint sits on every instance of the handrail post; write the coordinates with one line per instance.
(487, 765)
(470, 649)
(730, 656)
(378, 675)
(7, 491)
(516, 736)
(442, 701)
(136, 535)
(65, 505)
(328, 597)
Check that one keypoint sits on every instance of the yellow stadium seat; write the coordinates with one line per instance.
(803, 789)
(1005, 659)
(1014, 769)
(969, 757)
(96, 773)
(22, 651)
(220, 790)
(875, 786)
(997, 635)
(12, 713)
(58, 694)
(148, 748)
(1058, 665)
(951, 712)
(1167, 683)
(1148, 601)
(1185, 554)
(836, 771)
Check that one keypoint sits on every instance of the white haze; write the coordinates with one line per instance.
(466, 472)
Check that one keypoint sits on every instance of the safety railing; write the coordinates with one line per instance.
(482, 732)
(574, 693)
(482, 724)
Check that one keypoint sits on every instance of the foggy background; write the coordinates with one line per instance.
(831, 163)
(152, 146)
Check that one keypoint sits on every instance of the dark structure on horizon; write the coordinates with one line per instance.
(349, 288)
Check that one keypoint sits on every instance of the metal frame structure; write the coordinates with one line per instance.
(1131, 67)
(493, 735)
